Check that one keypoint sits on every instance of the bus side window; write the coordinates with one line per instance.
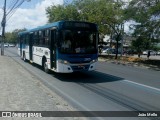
(36, 40)
(27, 39)
(46, 42)
(41, 38)
(24, 39)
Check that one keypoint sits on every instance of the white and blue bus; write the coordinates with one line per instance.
(63, 47)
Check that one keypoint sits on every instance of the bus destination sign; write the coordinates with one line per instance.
(76, 25)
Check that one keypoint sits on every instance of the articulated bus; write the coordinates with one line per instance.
(63, 46)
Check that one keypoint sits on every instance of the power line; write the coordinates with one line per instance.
(15, 7)
(1, 9)
(8, 18)
(11, 4)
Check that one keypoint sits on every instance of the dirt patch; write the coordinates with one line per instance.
(153, 64)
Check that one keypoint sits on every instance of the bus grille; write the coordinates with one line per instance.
(79, 62)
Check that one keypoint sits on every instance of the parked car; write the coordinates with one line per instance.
(6, 45)
(11, 45)
(107, 50)
(145, 52)
(152, 52)
(158, 52)
(130, 52)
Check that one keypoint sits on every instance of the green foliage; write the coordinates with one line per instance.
(107, 14)
(12, 37)
(60, 12)
(140, 44)
(147, 14)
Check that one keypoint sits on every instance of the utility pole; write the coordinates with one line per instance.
(3, 29)
(122, 38)
(3, 23)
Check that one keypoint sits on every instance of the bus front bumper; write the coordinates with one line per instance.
(69, 68)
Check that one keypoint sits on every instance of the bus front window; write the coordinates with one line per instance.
(79, 42)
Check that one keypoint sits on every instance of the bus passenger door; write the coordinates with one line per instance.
(30, 46)
(53, 48)
(20, 46)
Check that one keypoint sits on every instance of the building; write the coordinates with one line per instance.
(127, 40)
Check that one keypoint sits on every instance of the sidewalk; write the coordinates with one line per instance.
(21, 91)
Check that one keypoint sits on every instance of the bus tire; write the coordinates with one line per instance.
(44, 65)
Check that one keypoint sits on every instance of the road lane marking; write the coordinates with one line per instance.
(146, 86)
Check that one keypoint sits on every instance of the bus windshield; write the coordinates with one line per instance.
(79, 42)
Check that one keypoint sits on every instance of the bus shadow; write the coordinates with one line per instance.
(83, 77)
(86, 77)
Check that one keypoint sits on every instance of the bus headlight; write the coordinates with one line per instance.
(93, 61)
(63, 61)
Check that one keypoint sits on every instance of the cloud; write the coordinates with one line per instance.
(30, 18)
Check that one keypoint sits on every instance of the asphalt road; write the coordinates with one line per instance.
(111, 87)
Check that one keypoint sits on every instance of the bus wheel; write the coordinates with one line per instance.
(45, 66)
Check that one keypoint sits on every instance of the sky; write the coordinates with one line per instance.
(29, 15)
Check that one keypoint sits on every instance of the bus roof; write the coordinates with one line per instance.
(55, 24)
(50, 25)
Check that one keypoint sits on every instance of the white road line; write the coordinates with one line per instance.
(153, 88)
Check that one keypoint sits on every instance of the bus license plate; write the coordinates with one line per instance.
(81, 66)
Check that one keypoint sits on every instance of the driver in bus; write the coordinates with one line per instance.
(66, 44)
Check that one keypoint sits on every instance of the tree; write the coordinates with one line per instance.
(107, 14)
(12, 37)
(146, 14)
(140, 44)
(60, 12)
